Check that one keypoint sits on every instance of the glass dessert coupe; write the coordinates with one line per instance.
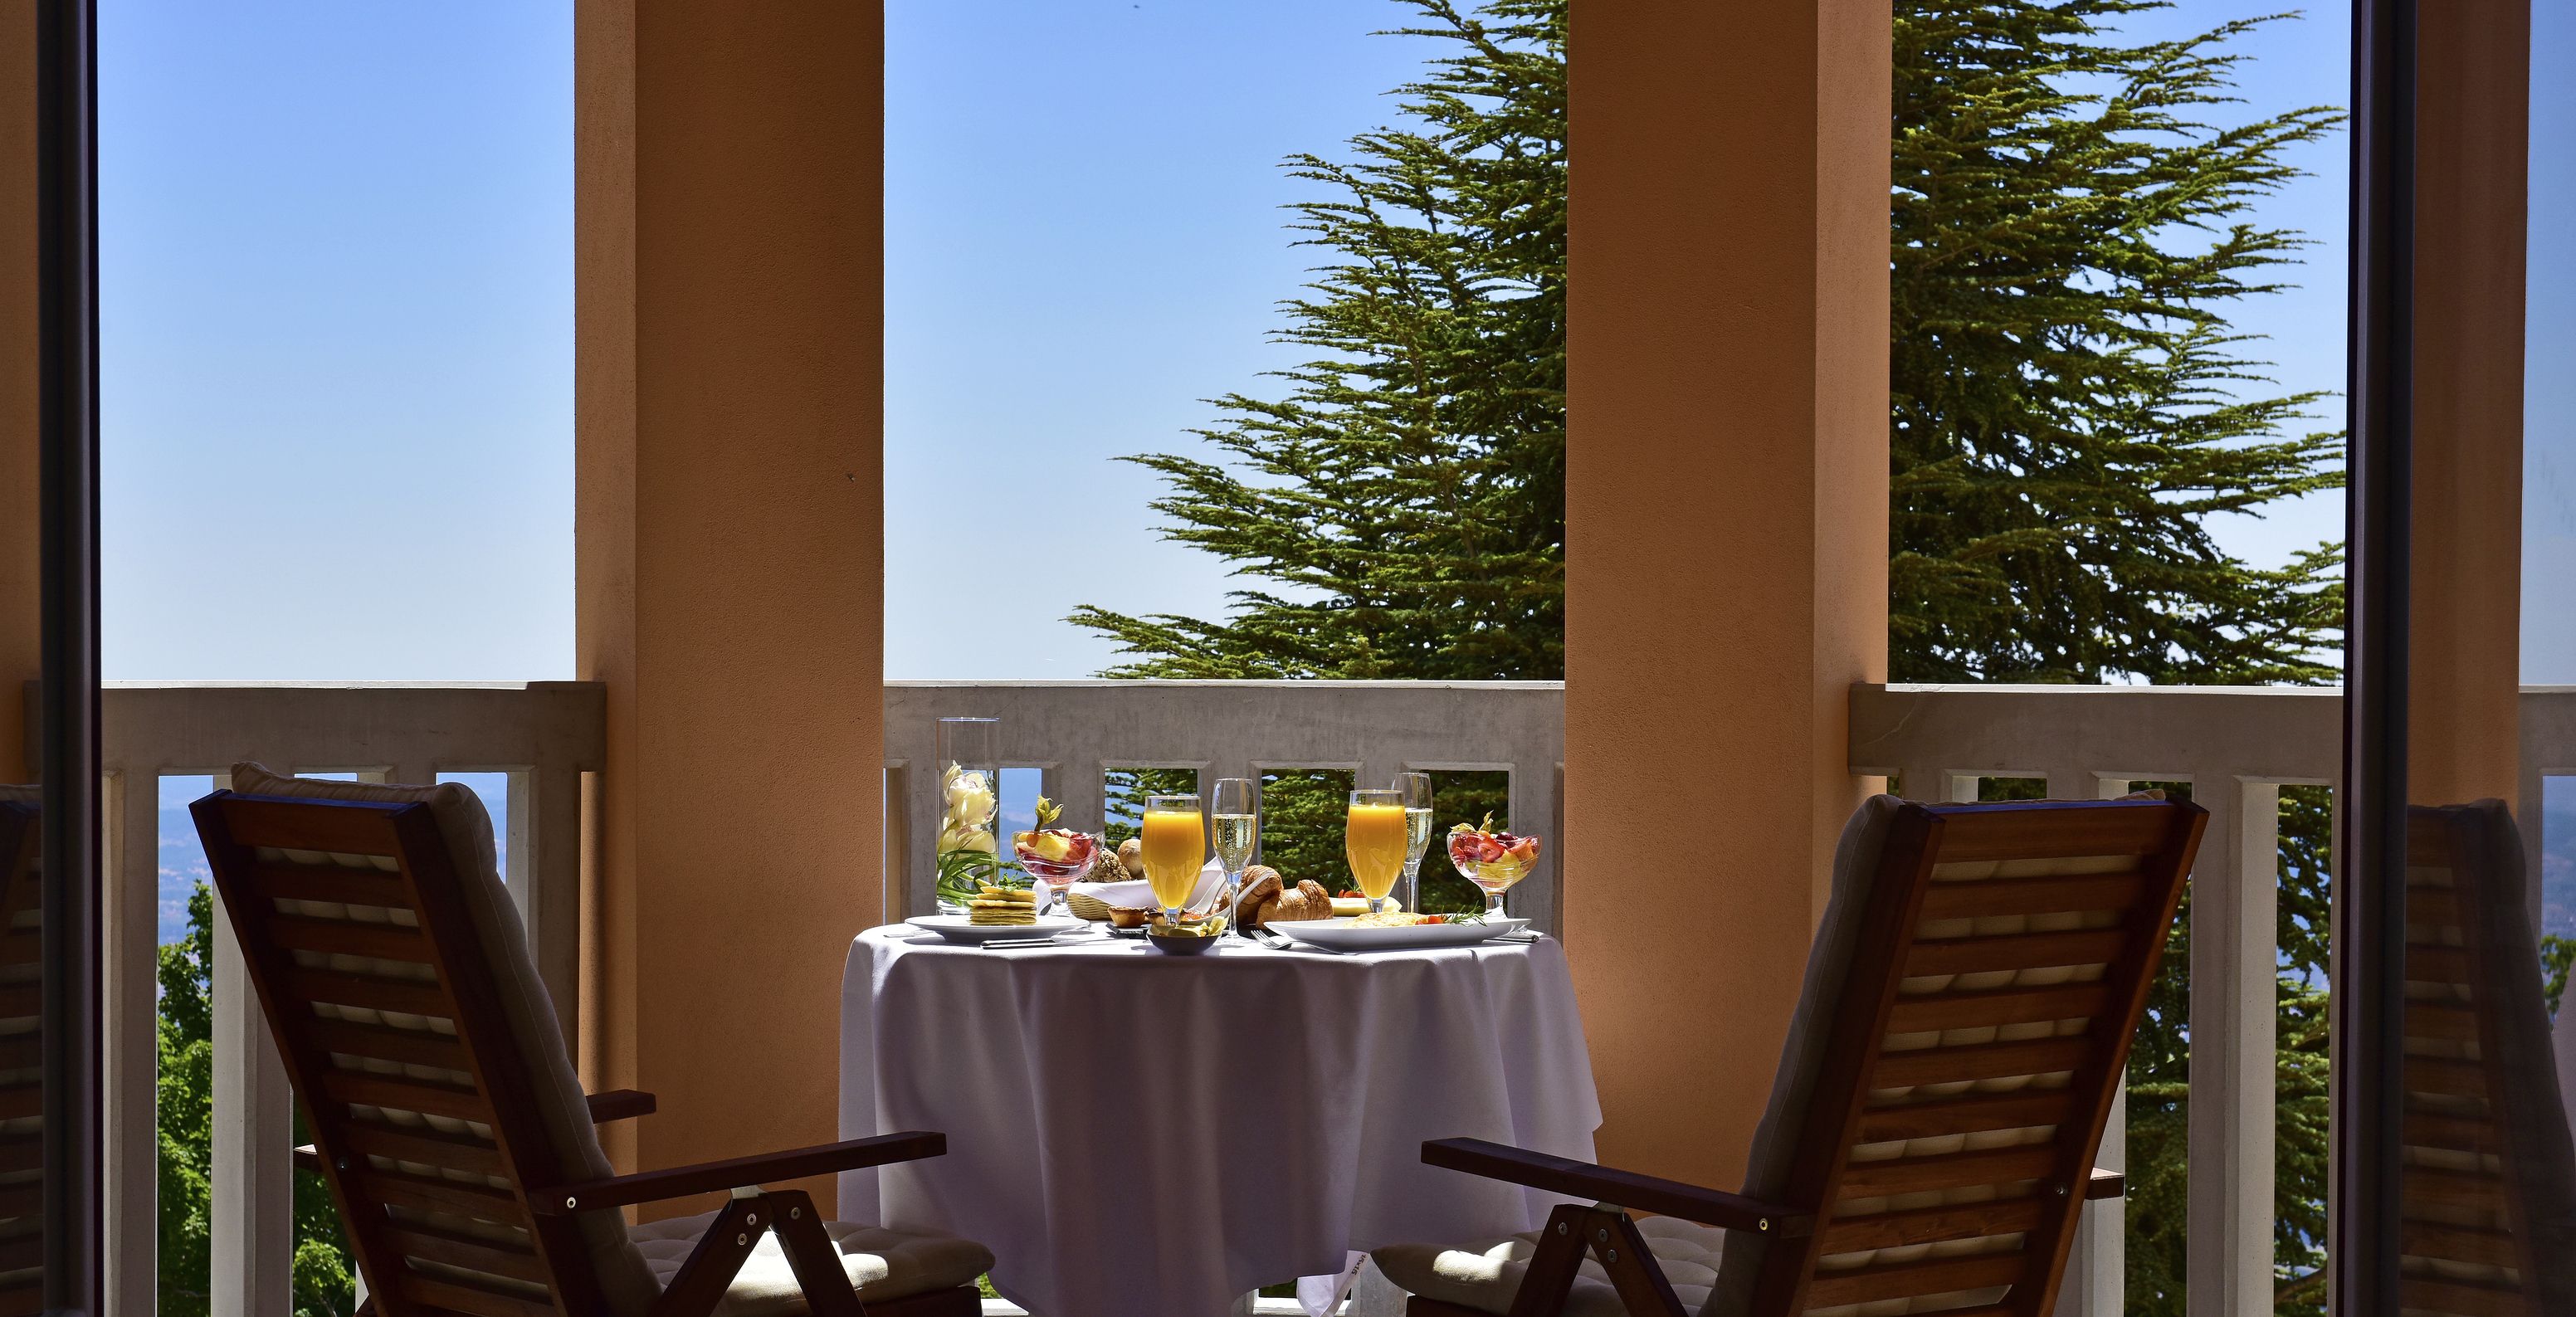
(1492, 861)
(1057, 858)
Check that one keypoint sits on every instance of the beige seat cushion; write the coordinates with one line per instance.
(1486, 1275)
(883, 1264)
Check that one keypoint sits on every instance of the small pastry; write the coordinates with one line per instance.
(995, 905)
(1128, 916)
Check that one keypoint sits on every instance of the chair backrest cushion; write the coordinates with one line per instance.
(1802, 1055)
(562, 1111)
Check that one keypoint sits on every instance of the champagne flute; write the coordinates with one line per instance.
(1237, 825)
(1374, 843)
(1416, 790)
(1175, 846)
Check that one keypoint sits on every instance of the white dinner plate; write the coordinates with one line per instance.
(1338, 935)
(958, 929)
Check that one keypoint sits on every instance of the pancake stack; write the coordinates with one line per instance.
(997, 905)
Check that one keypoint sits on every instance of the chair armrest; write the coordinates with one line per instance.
(1496, 1161)
(619, 1104)
(681, 1181)
(2106, 1184)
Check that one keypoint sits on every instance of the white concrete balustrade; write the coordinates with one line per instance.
(2236, 746)
(544, 735)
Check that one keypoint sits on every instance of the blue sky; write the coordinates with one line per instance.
(338, 311)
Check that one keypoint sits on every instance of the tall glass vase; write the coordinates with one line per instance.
(965, 853)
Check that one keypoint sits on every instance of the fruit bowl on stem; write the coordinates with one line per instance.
(1055, 857)
(1492, 860)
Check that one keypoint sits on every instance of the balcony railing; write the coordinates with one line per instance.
(544, 735)
(2237, 746)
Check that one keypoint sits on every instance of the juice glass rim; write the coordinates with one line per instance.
(1377, 796)
(1171, 804)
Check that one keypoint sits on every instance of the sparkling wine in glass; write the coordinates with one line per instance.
(1175, 840)
(1236, 826)
(1375, 842)
(1416, 789)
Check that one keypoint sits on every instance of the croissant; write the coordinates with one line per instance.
(1309, 901)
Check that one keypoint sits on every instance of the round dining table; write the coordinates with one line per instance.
(1134, 1132)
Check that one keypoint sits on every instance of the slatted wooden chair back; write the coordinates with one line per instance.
(1966, 1021)
(431, 1096)
(2488, 1190)
(22, 1089)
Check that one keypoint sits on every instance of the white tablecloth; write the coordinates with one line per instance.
(1136, 1133)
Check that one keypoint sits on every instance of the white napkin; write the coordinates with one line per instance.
(1321, 1294)
(1138, 894)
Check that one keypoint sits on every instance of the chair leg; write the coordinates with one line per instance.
(1643, 1291)
(1552, 1268)
(716, 1260)
(810, 1253)
(1571, 1232)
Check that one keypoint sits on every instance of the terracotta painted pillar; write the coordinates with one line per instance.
(1726, 523)
(730, 557)
(2464, 639)
(20, 659)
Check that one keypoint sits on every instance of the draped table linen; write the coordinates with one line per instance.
(1131, 1132)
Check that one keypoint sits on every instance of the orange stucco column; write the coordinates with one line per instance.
(730, 558)
(21, 659)
(1726, 524)
(2464, 638)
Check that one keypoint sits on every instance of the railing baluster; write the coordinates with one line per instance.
(2234, 952)
(131, 803)
(253, 1190)
(545, 856)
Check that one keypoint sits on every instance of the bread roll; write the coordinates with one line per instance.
(1108, 870)
(1131, 856)
(1260, 889)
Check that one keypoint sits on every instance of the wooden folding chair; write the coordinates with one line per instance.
(1929, 1144)
(22, 1072)
(446, 1117)
(2488, 1189)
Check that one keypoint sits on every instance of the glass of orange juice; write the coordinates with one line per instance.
(1376, 843)
(1175, 838)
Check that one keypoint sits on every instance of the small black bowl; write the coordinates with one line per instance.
(1184, 944)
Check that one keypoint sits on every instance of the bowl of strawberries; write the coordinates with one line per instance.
(1491, 860)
